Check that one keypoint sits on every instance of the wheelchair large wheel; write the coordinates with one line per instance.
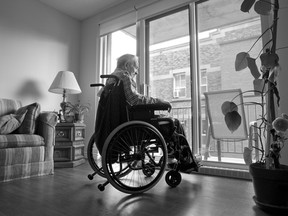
(94, 158)
(134, 157)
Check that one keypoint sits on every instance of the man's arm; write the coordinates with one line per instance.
(135, 98)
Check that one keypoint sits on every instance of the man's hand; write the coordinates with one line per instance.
(170, 106)
(167, 103)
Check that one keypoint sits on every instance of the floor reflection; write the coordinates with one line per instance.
(161, 201)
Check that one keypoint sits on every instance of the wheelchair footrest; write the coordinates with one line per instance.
(185, 167)
(188, 167)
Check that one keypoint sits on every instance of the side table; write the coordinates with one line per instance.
(69, 145)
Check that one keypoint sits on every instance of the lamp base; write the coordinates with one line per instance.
(63, 106)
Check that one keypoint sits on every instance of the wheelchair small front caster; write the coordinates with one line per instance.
(173, 178)
(90, 177)
(101, 187)
(148, 169)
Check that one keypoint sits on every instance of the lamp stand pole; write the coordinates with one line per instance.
(63, 105)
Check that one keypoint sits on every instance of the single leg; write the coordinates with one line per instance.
(219, 150)
(187, 161)
(207, 147)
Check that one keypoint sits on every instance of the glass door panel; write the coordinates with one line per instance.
(223, 32)
(114, 45)
(168, 60)
(122, 42)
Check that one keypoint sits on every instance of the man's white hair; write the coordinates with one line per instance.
(123, 60)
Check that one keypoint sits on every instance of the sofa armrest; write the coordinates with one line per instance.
(45, 127)
(46, 123)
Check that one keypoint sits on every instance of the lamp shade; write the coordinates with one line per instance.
(65, 81)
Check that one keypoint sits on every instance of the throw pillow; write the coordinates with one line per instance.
(29, 123)
(9, 123)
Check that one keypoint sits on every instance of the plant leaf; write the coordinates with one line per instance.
(276, 92)
(269, 60)
(241, 61)
(247, 156)
(228, 106)
(258, 86)
(263, 7)
(253, 67)
(246, 5)
(280, 124)
(233, 120)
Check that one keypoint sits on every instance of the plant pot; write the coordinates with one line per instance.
(79, 118)
(69, 118)
(271, 187)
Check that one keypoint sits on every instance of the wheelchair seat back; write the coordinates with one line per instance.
(111, 112)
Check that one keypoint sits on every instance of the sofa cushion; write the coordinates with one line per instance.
(20, 140)
(21, 156)
(9, 123)
(29, 123)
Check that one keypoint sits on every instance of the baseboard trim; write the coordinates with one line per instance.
(225, 172)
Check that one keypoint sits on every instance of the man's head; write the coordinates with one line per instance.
(129, 63)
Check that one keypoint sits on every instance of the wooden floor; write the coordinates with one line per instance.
(69, 192)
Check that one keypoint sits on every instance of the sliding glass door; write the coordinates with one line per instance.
(168, 63)
(223, 32)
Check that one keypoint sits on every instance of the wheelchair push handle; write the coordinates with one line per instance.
(110, 76)
(103, 77)
(97, 85)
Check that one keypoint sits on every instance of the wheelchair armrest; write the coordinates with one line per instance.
(145, 112)
(150, 107)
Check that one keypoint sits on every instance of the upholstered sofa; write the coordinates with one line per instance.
(27, 138)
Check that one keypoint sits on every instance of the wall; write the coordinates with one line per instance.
(36, 42)
(89, 71)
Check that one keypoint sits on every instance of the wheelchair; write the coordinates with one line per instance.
(132, 145)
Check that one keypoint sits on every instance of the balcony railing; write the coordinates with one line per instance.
(229, 150)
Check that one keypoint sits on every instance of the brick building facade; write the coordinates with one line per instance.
(217, 55)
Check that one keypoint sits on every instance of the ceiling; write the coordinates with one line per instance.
(81, 9)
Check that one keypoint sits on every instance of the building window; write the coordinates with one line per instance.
(179, 90)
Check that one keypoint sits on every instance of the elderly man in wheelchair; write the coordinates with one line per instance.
(132, 145)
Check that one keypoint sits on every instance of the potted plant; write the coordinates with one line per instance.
(270, 178)
(78, 110)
